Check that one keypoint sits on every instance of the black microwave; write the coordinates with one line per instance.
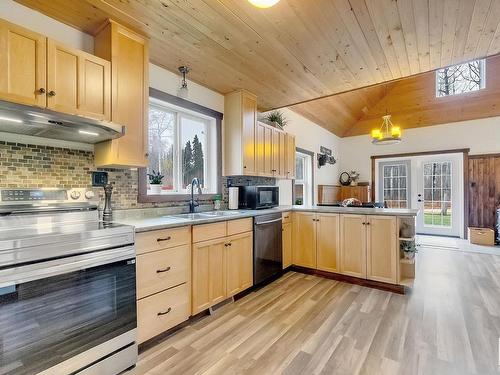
(258, 197)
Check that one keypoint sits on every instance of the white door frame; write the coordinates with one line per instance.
(415, 189)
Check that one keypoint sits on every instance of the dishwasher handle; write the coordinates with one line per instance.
(269, 221)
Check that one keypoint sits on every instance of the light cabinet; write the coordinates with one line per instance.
(22, 65)
(264, 150)
(287, 239)
(304, 239)
(353, 245)
(328, 242)
(209, 277)
(290, 156)
(222, 266)
(128, 53)
(361, 193)
(240, 119)
(239, 260)
(382, 252)
(279, 153)
(77, 82)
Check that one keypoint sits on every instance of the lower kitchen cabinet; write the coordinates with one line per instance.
(287, 244)
(209, 277)
(382, 250)
(328, 242)
(239, 260)
(304, 239)
(162, 311)
(353, 245)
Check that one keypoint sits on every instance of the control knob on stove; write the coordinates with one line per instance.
(75, 194)
(89, 194)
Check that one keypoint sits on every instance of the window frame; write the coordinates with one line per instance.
(143, 196)
(482, 85)
(305, 182)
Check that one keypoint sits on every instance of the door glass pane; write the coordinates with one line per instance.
(437, 194)
(299, 167)
(193, 141)
(395, 187)
(161, 145)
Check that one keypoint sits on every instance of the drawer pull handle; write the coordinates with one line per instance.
(163, 270)
(287, 217)
(164, 312)
(164, 239)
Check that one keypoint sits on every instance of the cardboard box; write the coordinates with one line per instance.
(482, 236)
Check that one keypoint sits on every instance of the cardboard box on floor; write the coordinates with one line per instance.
(482, 236)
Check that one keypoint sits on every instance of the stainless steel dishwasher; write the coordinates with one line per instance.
(267, 252)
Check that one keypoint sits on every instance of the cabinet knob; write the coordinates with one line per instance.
(52, 93)
(41, 90)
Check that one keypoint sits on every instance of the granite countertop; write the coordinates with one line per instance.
(154, 219)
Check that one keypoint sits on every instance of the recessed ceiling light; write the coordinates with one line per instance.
(11, 119)
(88, 133)
(263, 3)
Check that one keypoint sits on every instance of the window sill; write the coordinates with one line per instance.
(173, 197)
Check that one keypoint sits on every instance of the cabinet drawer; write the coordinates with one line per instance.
(162, 311)
(162, 269)
(162, 239)
(207, 232)
(286, 217)
(239, 226)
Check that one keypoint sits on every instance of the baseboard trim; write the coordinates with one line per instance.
(399, 289)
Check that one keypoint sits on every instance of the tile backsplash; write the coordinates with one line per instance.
(34, 166)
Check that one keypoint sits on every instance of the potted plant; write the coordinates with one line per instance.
(276, 119)
(155, 180)
(409, 249)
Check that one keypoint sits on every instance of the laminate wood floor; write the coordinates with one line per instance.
(449, 324)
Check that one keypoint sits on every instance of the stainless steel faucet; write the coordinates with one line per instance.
(192, 203)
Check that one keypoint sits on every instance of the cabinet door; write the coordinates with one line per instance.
(287, 244)
(249, 109)
(304, 243)
(22, 65)
(353, 245)
(95, 87)
(239, 263)
(282, 155)
(260, 139)
(328, 242)
(209, 280)
(382, 250)
(128, 53)
(279, 154)
(268, 151)
(290, 156)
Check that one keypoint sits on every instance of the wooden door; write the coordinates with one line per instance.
(128, 53)
(328, 242)
(304, 239)
(382, 249)
(287, 244)
(290, 156)
(239, 263)
(209, 277)
(249, 113)
(22, 65)
(353, 245)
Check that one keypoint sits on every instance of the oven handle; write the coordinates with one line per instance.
(41, 270)
(269, 221)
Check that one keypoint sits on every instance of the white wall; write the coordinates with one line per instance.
(310, 136)
(481, 136)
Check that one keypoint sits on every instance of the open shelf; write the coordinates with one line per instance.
(407, 238)
(407, 282)
(407, 261)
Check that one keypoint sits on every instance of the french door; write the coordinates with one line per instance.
(438, 195)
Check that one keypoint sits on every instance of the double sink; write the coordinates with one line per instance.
(201, 215)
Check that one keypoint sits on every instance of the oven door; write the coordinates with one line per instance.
(51, 312)
(267, 197)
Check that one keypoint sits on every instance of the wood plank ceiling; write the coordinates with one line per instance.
(297, 50)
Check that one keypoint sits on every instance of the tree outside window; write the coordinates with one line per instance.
(461, 78)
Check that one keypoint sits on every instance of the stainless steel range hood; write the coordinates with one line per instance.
(42, 122)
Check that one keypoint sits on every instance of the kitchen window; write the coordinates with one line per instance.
(461, 78)
(302, 189)
(183, 143)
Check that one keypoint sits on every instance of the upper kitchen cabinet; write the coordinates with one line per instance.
(128, 53)
(77, 82)
(264, 150)
(279, 153)
(240, 120)
(22, 65)
(290, 156)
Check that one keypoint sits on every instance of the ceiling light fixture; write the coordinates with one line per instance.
(183, 90)
(388, 134)
(263, 3)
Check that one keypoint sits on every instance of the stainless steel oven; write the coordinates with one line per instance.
(67, 292)
(258, 197)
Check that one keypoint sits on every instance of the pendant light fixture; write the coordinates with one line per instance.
(183, 90)
(388, 134)
(263, 3)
